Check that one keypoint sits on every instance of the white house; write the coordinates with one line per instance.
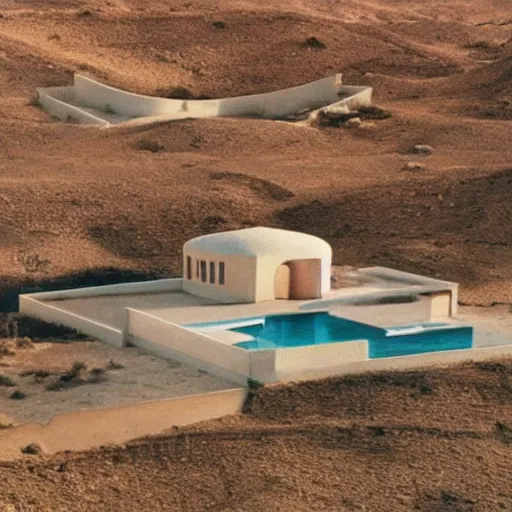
(257, 264)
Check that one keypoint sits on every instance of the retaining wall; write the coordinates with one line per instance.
(64, 102)
(171, 341)
(48, 313)
(82, 430)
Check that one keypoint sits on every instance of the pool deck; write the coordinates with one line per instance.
(177, 307)
(492, 326)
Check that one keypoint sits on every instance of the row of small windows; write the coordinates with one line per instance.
(202, 275)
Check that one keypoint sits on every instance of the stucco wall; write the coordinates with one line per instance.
(156, 286)
(440, 304)
(40, 309)
(172, 341)
(240, 277)
(54, 103)
(293, 360)
(415, 279)
(266, 270)
(267, 105)
(305, 279)
(432, 359)
(82, 430)
(86, 93)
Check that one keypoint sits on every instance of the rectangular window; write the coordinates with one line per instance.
(212, 272)
(189, 267)
(221, 273)
(203, 271)
(197, 270)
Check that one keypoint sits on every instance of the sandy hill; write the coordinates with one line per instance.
(435, 441)
(74, 197)
(77, 200)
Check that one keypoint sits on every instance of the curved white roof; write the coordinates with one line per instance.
(261, 241)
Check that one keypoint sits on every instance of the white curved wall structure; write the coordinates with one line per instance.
(90, 102)
(250, 258)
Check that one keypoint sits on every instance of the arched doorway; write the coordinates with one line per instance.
(299, 280)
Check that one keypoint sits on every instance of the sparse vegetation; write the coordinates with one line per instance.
(71, 378)
(108, 109)
(24, 343)
(6, 381)
(501, 109)
(18, 395)
(494, 366)
(16, 326)
(218, 25)
(6, 349)
(97, 375)
(313, 43)
(254, 383)
(480, 45)
(373, 113)
(504, 432)
(84, 13)
(39, 375)
(33, 262)
(31, 449)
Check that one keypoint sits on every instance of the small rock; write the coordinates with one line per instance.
(354, 122)
(62, 467)
(338, 110)
(5, 421)
(367, 125)
(423, 149)
(414, 166)
(32, 449)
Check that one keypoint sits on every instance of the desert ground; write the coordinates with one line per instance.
(84, 205)
(435, 441)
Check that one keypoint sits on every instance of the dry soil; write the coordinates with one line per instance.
(74, 198)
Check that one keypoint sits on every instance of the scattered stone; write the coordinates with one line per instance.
(84, 13)
(32, 449)
(17, 395)
(149, 145)
(423, 149)
(353, 122)
(5, 421)
(373, 113)
(62, 467)
(367, 125)
(414, 166)
(337, 111)
(313, 43)
(335, 116)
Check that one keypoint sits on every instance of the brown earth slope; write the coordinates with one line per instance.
(74, 197)
(435, 441)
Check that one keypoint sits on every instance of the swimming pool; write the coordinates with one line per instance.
(297, 330)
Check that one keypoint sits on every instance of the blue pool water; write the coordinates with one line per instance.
(297, 330)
